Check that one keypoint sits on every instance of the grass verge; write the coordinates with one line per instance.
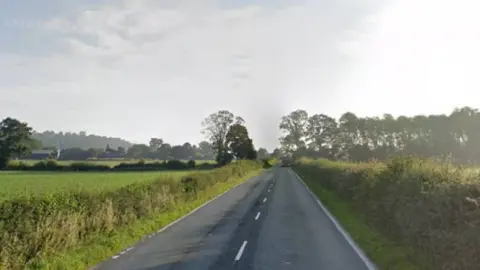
(385, 253)
(100, 247)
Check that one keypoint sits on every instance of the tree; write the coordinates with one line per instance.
(34, 144)
(206, 150)
(215, 128)
(155, 144)
(14, 139)
(239, 143)
(138, 151)
(293, 126)
(263, 153)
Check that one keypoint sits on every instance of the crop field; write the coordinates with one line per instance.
(19, 184)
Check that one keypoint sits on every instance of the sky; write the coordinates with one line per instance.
(138, 69)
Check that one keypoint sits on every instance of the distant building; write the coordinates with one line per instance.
(41, 154)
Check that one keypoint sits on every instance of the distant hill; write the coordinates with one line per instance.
(81, 140)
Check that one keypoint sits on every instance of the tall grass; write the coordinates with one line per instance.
(432, 207)
(32, 229)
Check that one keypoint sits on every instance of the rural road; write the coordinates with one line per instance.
(270, 222)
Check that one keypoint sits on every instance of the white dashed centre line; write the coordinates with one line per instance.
(257, 216)
(240, 252)
(265, 199)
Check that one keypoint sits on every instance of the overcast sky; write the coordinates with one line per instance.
(138, 69)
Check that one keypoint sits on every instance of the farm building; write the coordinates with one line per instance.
(41, 154)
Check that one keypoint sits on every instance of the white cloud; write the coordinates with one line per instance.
(139, 69)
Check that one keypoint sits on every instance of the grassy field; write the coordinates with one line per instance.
(432, 208)
(16, 184)
(100, 214)
(110, 163)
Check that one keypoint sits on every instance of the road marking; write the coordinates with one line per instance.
(265, 199)
(269, 190)
(258, 215)
(370, 265)
(115, 257)
(240, 252)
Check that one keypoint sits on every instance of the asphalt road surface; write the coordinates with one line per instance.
(269, 222)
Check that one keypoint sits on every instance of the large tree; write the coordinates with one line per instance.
(293, 126)
(14, 139)
(155, 144)
(239, 143)
(215, 128)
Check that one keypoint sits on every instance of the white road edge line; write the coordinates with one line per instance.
(240, 252)
(370, 265)
(204, 204)
(190, 213)
(265, 199)
(257, 216)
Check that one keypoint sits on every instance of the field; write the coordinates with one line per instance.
(17, 184)
(61, 227)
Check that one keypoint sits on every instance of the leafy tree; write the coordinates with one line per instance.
(138, 151)
(215, 128)
(155, 144)
(34, 144)
(206, 150)
(14, 139)
(293, 126)
(263, 153)
(238, 142)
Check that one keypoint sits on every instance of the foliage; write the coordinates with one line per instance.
(53, 165)
(14, 139)
(28, 235)
(455, 136)
(78, 140)
(420, 203)
(239, 143)
(215, 128)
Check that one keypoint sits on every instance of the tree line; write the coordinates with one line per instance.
(227, 139)
(456, 135)
(78, 140)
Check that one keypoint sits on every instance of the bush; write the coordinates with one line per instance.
(420, 203)
(32, 228)
(191, 164)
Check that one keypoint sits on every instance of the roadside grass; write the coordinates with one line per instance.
(76, 228)
(430, 206)
(20, 184)
(385, 253)
(100, 247)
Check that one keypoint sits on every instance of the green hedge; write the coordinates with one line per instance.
(429, 206)
(52, 165)
(35, 228)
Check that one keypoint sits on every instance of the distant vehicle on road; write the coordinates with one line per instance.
(286, 162)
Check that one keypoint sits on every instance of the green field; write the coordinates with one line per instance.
(17, 184)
